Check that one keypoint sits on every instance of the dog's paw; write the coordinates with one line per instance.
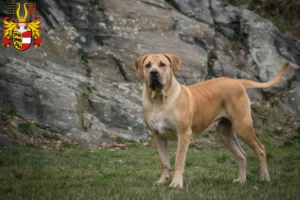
(159, 183)
(264, 176)
(265, 179)
(176, 184)
(239, 180)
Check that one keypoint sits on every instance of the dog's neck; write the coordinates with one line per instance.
(157, 96)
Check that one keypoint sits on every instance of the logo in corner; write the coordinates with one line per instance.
(22, 32)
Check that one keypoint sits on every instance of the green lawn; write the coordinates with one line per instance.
(78, 173)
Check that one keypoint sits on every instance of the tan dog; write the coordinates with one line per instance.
(172, 111)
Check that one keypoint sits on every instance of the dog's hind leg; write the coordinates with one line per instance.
(228, 137)
(242, 123)
(246, 131)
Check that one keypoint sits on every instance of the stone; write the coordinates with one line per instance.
(199, 10)
(293, 99)
(81, 82)
(6, 141)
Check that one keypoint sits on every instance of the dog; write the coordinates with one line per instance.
(173, 111)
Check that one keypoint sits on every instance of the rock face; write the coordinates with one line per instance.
(81, 83)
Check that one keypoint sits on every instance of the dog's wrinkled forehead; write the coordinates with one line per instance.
(156, 58)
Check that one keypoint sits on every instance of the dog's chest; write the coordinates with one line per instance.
(163, 125)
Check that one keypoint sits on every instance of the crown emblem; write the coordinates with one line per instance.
(22, 18)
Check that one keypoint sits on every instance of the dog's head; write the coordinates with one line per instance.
(157, 69)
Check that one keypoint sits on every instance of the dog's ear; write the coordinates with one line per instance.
(174, 61)
(138, 66)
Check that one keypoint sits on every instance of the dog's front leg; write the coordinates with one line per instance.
(162, 148)
(183, 145)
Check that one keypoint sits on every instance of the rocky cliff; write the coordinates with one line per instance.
(81, 84)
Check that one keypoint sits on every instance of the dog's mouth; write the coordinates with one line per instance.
(156, 83)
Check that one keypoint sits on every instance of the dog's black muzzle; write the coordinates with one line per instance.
(155, 80)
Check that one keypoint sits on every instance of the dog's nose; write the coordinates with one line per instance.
(153, 72)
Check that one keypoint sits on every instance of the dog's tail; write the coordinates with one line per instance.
(252, 84)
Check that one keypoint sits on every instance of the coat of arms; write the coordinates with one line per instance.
(23, 32)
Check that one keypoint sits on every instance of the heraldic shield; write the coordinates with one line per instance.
(23, 32)
(22, 39)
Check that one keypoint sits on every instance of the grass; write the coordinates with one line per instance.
(79, 173)
(9, 111)
(27, 128)
(27, 133)
(80, 98)
(211, 57)
(49, 136)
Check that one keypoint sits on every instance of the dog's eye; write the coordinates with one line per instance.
(162, 64)
(148, 65)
